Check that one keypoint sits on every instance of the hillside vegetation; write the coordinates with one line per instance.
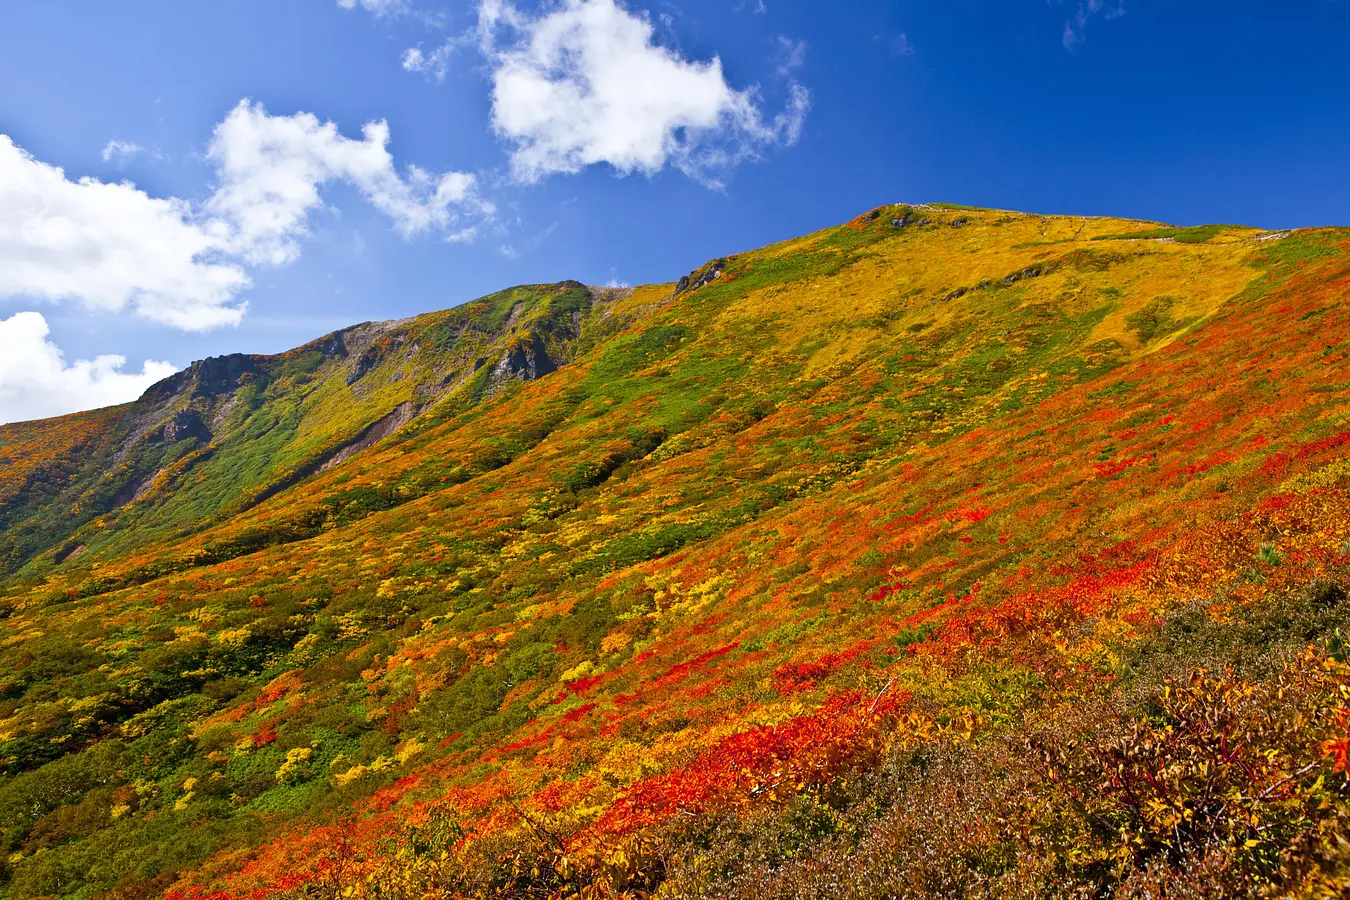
(944, 553)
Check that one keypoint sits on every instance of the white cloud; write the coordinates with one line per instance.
(1075, 29)
(271, 168)
(35, 381)
(378, 7)
(414, 60)
(436, 64)
(791, 55)
(121, 151)
(111, 247)
(587, 84)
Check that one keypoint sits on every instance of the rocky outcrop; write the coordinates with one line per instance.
(1035, 270)
(525, 359)
(183, 425)
(909, 218)
(205, 378)
(701, 277)
(368, 360)
(333, 346)
(401, 415)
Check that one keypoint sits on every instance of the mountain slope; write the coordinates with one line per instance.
(220, 437)
(902, 483)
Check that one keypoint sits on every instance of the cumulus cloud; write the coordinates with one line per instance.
(36, 382)
(111, 247)
(1075, 29)
(272, 167)
(587, 84)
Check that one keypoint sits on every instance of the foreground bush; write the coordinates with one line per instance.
(1224, 788)
(1215, 768)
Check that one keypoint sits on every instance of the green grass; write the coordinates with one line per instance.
(1200, 234)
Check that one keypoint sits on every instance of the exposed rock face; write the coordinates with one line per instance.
(185, 404)
(370, 342)
(364, 363)
(694, 280)
(184, 424)
(221, 374)
(1034, 271)
(402, 415)
(333, 346)
(207, 378)
(73, 553)
(909, 219)
(525, 360)
(605, 294)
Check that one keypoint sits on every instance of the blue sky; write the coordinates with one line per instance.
(587, 139)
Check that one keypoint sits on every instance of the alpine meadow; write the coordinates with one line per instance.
(944, 553)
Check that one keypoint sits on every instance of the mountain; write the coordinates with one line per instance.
(227, 433)
(947, 552)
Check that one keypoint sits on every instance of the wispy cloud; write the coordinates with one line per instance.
(900, 45)
(376, 7)
(515, 251)
(790, 55)
(122, 152)
(436, 64)
(1075, 29)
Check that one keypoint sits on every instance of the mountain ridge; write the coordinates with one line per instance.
(187, 409)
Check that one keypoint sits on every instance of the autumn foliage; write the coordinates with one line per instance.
(947, 553)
